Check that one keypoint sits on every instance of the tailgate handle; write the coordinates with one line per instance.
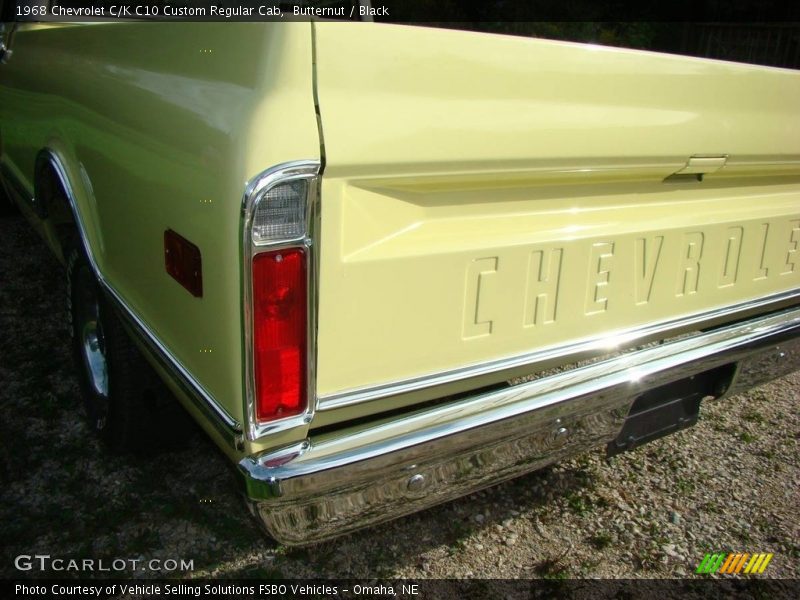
(697, 166)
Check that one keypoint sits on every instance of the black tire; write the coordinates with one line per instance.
(127, 405)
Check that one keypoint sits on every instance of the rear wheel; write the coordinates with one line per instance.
(127, 405)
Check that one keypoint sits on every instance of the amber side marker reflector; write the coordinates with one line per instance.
(279, 333)
(182, 261)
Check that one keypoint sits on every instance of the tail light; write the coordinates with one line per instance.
(279, 333)
(278, 316)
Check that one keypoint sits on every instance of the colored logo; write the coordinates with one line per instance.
(734, 563)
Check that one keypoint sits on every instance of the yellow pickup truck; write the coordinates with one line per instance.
(384, 266)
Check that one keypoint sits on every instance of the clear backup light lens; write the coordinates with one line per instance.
(281, 213)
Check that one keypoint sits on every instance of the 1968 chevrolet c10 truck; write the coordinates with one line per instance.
(384, 266)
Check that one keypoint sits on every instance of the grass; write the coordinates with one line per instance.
(685, 486)
(552, 568)
(579, 504)
(713, 507)
(753, 416)
(460, 533)
(601, 540)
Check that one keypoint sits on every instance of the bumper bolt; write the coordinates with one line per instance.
(560, 436)
(417, 483)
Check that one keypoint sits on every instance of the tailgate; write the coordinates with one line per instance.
(486, 197)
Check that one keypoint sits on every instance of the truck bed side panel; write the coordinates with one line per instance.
(159, 126)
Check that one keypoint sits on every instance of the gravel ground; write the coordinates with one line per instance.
(729, 484)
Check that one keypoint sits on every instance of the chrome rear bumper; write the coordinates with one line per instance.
(340, 482)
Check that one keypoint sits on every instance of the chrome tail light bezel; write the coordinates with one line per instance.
(258, 190)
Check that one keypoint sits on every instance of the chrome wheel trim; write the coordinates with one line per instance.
(92, 342)
(95, 358)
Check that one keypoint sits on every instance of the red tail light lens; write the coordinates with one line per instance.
(279, 333)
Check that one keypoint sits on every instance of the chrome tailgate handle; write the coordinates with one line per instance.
(697, 166)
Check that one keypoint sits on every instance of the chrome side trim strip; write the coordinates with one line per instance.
(259, 186)
(218, 416)
(568, 353)
(320, 489)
